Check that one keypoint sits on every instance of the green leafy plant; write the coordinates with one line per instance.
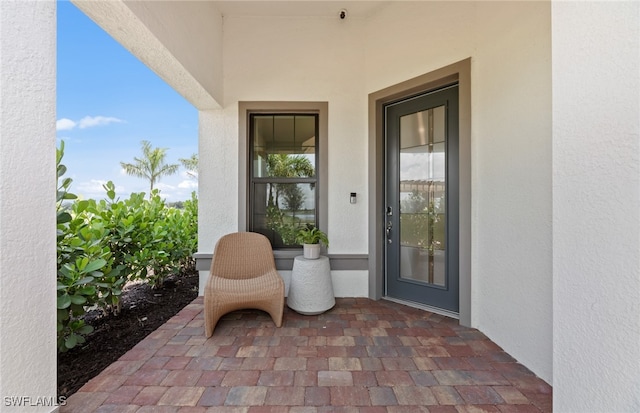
(150, 240)
(81, 260)
(422, 222)
(101, 245)
(312, 235)
(283, 225)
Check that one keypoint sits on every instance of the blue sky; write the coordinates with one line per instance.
(107, 103)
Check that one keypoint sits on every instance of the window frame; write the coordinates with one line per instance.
(256, 180)
(245, 110)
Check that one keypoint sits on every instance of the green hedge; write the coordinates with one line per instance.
(103, 244)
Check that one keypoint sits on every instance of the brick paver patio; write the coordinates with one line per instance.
(361, 356)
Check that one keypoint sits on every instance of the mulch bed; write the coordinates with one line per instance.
(143, 311)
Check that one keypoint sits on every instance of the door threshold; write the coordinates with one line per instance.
(424, 307)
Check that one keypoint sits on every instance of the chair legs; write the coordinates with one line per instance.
(212, 314)
(211, 317)
(276, 312)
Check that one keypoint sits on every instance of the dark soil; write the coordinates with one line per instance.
(143, 311)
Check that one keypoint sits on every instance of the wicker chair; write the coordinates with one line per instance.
(243, 275)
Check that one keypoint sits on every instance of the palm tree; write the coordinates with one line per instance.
(191, 165)
(151, 166)
(282, 165)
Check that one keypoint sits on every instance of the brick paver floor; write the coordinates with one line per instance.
(361, 356)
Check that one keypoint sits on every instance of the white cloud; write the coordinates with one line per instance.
(65, 124)
(188, 184)
(91, 121)
(86, 122)
(164, 187)
(93, 189)
(181, 191)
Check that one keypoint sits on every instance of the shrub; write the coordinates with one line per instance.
(82, 261)
(103, 244)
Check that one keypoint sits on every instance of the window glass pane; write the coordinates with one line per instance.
(283, 133)
(284, 154)
(306, 134)
(281, 165)
(262, 136)
(284, 146)
(280, 209)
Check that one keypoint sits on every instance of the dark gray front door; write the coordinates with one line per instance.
(421, 216)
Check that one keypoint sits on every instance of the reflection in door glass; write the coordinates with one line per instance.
(422, 196)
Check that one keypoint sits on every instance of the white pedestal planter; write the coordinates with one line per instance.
(311, 289)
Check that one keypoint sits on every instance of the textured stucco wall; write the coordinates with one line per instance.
(596, 206)
(318, 59)
(291, 59)
(27, 203)
(510, 48)
(218, 196)
(511, 154)
(595, 165)
(310, 59)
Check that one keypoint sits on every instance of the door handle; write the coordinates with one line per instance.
(388, 231)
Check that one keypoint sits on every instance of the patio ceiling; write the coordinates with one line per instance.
(357, 9)
(181, 41)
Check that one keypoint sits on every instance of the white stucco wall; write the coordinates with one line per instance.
(596, 206)
(218, 159)
(511, 152)
(27, 204)
(510, 48)
(596, 133)
(292, 59)
(409, 39)
(326, 59)
(310, 59)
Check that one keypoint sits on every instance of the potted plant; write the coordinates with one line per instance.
(311, 239)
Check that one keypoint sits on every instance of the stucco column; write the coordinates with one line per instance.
(27, 205)
(218, 183)
(596, 206)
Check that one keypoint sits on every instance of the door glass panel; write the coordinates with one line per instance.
(422, 196)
